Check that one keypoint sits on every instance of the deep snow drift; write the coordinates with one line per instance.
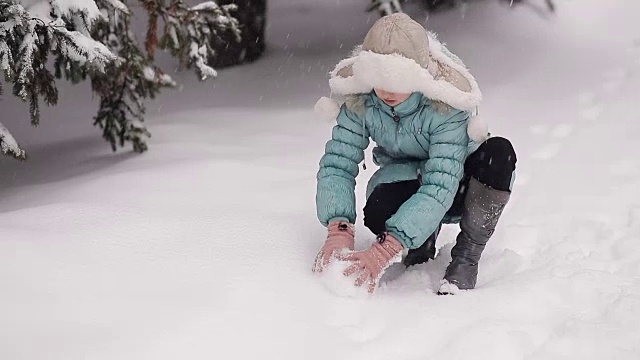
(202, 248)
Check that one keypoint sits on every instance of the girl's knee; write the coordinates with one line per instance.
(500, 148)
(384, 201)
(493, 163)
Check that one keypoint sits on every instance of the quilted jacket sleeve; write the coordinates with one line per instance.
(419, 216)
(335, 196)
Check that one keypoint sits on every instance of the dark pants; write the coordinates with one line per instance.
(492, 164)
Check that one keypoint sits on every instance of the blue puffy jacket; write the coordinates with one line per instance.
(416, 139)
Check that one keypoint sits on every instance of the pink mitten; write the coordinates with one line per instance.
(371, 263)
(340, 237)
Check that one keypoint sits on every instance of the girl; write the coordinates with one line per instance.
(414, 98)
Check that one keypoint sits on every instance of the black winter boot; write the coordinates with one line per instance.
(483, 206)
(424, 253)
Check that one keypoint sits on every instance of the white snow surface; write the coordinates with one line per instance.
(202, 248)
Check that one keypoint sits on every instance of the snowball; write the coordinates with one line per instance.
(333, 279)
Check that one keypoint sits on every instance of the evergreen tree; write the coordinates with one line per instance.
(437, 5)
(93, 39)
(251, 15)
(29, 32)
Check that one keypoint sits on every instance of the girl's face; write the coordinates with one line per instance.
(391, 98)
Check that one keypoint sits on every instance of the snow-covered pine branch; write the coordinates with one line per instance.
(31, 30)
(83, 49)
(92, 39)
(189, 32)
(115, 5)
(9, 145)
(123, 85)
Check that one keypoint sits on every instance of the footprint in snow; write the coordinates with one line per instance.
(625, 167)
(592, 113)
(550, 150)
(591, 107)
(539, 129)
(614, 79)
(562, 131)
(587, 98)
(547, 152)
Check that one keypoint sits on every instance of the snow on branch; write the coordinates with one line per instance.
(84, 49)
(189, 31)
(9, 145)
(118, 6)
(71, 7)
(33, 30)
(207, 5)
(94, 40)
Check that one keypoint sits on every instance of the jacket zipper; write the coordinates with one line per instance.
(396, 118)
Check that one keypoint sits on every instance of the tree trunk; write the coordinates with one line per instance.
(437, 5)
(252, 17)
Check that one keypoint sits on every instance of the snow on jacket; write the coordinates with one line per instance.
(429, 138)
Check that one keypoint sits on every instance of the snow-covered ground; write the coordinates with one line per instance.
(202, 248)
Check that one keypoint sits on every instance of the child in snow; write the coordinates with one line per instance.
(414, 98)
